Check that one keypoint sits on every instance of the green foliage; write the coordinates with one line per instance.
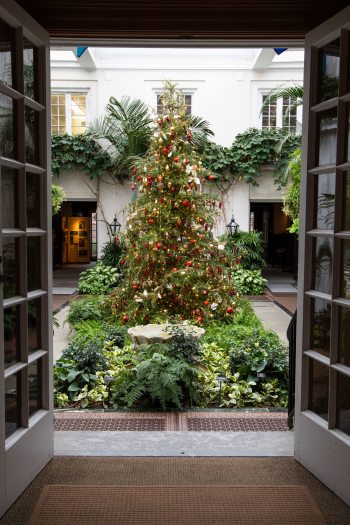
(178, 374)
(125, 132)
(257, 350)
(113, 251)
(165, 380)
(98, 280)
(57, 198)
(251, 150)
(248, 246)
(249, 282)
(239, 389)
(88, 308)
(184, 344)
(78, 152)
(292, 197)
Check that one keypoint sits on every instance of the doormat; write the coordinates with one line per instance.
(172, 421)
(180, 505)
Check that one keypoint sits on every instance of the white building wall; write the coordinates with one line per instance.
(226, 91)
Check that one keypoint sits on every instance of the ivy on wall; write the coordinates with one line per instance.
(249, 152)
(242, 161)
(78, 152)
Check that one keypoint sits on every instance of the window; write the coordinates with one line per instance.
(269, 114)
(289, 114)
(280, 114)
(187, 99)
(68, 113)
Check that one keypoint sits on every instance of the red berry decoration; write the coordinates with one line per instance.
(125, 318)
(158, 245)
(211, 177)
(230, 310)
(205, 303)
(176, 159)
(200, 319)
(165, 150)
(186, 203)
(205, 292)
(189, 264)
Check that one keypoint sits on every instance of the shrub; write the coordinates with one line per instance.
(248, 282)
(249, 246)
(257, 350)
(98, 280)
(112, 252)
(167, 381)
(184, 344)
(88, 308)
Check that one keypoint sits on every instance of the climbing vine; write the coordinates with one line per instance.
(249, 152)
(78, 152)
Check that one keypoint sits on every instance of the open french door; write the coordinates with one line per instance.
(322, 435)
(26, 427)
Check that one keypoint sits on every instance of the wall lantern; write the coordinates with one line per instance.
(115, 226)
(232, 227)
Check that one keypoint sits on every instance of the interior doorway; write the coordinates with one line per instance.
(74, 231)
(280, 245)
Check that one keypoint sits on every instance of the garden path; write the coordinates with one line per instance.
(272, 317)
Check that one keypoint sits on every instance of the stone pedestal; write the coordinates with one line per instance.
(157, 333)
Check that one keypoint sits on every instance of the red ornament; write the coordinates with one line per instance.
(158, 245)
(134, 170)
(189, 264)
(186, 203)
(205, 292)
(188, 135)
(125, 318)
(138, 178)
(167, 118)
(205, 303)
(160, 122)
(132, 187)
(151, 221)
(200, 319)
(230, 310)
(160, 178)
(135, 286)
(172, 188)
(176, 159)
(193, 241)
(220, 205)
(174, 270)
(165, 150)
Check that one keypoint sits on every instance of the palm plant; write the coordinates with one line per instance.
(125, 131)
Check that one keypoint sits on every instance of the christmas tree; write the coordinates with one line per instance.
(173, 269)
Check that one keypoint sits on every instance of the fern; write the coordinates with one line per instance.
(165, 380)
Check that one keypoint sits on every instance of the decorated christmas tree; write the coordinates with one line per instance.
(173, 269)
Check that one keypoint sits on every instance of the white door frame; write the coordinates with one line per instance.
(319, 445)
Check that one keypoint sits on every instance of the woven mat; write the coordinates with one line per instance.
(180, 505)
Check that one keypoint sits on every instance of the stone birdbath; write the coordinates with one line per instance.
(157, 333)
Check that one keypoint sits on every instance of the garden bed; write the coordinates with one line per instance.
(101, 369)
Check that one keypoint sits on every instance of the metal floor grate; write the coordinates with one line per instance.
(172, 421)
